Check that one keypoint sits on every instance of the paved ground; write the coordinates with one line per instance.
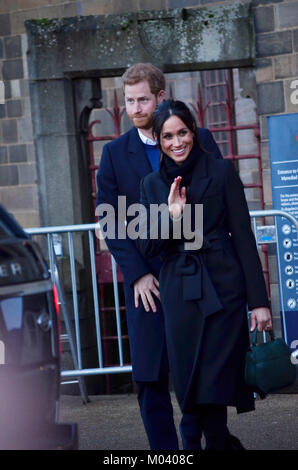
(112, 422)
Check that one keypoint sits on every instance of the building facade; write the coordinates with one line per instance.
(60, 62)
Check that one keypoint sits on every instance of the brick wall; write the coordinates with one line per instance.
(276, 25)
(18, 173)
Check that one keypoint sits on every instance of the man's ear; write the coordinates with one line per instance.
(161, 96)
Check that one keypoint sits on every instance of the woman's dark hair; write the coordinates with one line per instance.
(169, 108)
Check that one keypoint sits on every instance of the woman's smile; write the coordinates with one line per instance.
(179, 151)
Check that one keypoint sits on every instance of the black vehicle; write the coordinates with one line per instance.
(29, 346)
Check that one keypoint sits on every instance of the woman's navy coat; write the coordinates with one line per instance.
(205, 293)
(123, 164)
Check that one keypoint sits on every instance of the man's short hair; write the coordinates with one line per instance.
(145, 71)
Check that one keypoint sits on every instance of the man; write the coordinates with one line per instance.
(125, 161)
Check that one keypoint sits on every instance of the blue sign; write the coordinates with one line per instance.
(283, 148)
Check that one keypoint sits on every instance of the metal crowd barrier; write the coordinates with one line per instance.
(79, 371)
(294, 221)
(74, 337)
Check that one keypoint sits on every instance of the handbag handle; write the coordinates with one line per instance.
(255, 336)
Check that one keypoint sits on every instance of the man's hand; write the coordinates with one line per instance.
(261, 316)
(145, 287)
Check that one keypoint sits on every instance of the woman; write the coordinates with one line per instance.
(204, 292)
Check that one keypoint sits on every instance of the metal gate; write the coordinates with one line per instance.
(214, 109)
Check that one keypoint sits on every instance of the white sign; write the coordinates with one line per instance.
(2, 353)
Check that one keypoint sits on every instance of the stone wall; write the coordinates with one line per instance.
(276, 26)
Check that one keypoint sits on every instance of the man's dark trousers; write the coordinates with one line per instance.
(157, 414)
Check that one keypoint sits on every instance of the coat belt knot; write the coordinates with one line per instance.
(196, 281)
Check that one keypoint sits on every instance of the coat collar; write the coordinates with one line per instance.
(200, 179)
(137, 154)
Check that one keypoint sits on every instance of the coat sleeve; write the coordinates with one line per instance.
(131, 262)
(243, 239)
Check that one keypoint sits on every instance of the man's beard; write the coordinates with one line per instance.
(141, 122)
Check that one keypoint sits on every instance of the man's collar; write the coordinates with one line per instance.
(146, 139)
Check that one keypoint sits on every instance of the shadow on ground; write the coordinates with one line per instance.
(112, 422)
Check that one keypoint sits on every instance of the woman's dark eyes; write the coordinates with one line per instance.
(170, 136)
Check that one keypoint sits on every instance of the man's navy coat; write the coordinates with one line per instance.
(123, 165)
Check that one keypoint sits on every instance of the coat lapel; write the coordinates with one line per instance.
(137, 155)
(200, 179)
(199, 183)
(163, 191)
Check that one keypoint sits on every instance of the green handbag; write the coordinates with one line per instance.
(268, 365)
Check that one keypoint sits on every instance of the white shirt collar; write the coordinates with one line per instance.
(146, 139)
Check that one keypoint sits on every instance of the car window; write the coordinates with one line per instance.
(12, 311)
(4, 231)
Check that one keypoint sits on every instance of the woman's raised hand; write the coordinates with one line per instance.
(177, 198)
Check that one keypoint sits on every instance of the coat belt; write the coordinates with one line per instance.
(197, 284)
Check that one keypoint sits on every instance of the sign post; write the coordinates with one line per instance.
(283, 148)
